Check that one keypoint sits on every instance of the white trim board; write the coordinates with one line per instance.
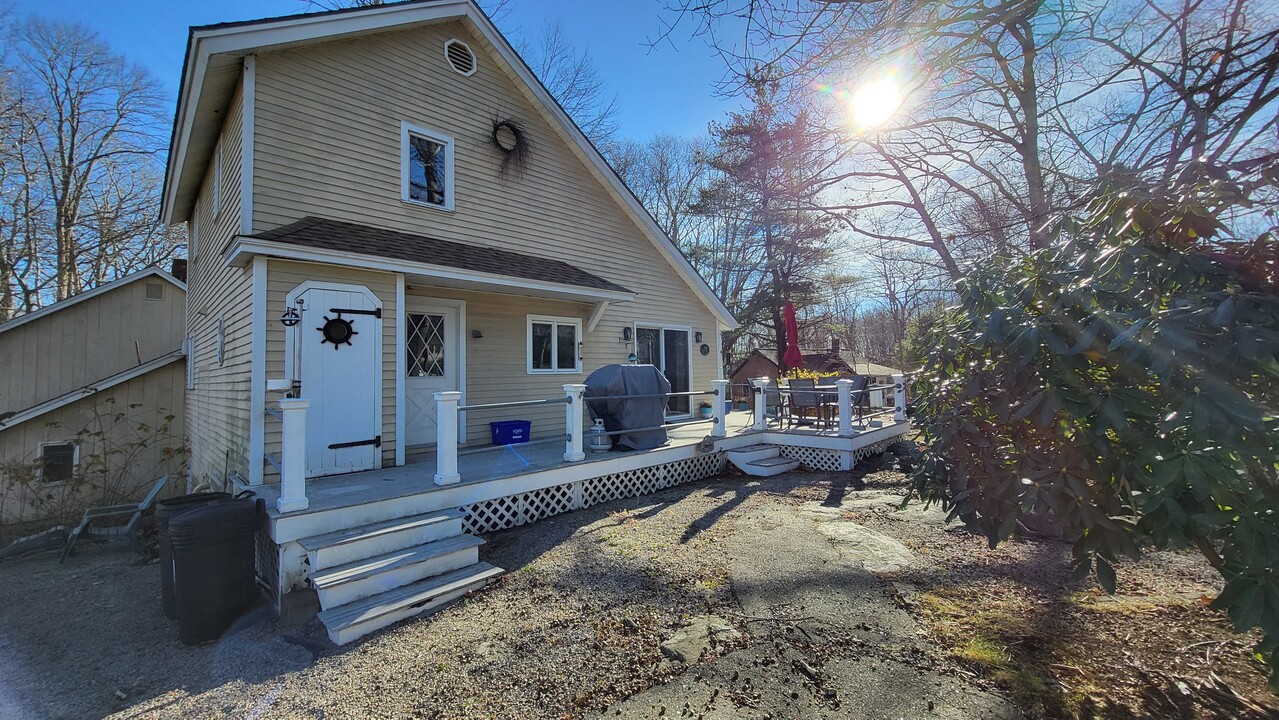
(238, 39)
(104, 384)
(88, 294)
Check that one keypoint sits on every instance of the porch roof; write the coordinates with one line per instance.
(442, 262)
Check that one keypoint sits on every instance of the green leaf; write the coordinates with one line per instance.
(1106, 575)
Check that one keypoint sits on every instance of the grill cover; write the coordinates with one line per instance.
(631, 413)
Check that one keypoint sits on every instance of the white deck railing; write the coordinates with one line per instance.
(845, 403)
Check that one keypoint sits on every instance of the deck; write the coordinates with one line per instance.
(490, 472)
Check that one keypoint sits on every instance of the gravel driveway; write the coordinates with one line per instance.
(592, 618)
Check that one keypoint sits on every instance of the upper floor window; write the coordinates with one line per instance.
(426, 167)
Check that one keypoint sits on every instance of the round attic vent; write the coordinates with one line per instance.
(460, 56)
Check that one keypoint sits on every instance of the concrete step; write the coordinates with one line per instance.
(769, 467)
(751, 453)
(347, 546)
(372, 576)
(356, 619)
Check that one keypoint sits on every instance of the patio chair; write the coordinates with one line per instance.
(860, 395)
(774, 403)
(129, 529)
(805, 400)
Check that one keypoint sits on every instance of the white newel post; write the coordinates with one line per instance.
(446, 439)
(761, 400)
(899, 398)
(719, 428)
(293, 455)
(844, 388)
(573, 423)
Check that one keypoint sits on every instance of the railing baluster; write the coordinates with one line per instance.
(899, 398)
(446, 438)
(761, 400)
(293, 455)
(573, 423)
(719, 426)
(845, 390)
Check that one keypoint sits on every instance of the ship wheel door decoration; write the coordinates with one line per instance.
(339, 330)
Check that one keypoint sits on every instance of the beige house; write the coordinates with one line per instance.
(397, 238)
(91, 398)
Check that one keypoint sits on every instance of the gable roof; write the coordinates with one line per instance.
(89, 294)
(211, 72)
(368, 240)
(106, 383)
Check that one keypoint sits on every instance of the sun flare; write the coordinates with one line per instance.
(874, 103)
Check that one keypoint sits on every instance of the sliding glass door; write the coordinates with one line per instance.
(668, 349)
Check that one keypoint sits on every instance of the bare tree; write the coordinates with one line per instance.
(91, 131)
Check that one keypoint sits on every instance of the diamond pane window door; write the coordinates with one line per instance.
(426, 345)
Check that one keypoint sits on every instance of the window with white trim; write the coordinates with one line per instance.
(58, 461)
(553, 344)
(426, 167)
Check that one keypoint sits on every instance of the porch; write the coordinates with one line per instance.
(449, 476)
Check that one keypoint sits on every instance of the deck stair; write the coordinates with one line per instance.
(761, 460)
(371, 576)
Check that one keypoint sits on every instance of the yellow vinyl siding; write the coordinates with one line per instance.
(88, 341)
(282, 277)
(218, 406)
(134, 465)
(328, 144)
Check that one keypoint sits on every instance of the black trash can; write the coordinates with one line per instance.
(213, 563)
(166, 510)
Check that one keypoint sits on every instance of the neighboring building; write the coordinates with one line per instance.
(91, 398)
(762, 362)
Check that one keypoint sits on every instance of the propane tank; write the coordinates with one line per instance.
(596, 439)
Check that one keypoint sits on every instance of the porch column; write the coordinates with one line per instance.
(719, 428)
(573, 423)
(844, 388)
(446, 439)
(899, 398)
(292, 455)
(761, 400)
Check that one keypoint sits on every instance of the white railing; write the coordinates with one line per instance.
(843, 390)
(448, 406)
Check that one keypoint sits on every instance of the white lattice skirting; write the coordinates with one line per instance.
(534, 505)
(833, 460)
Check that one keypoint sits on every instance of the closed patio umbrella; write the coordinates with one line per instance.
(793, 357)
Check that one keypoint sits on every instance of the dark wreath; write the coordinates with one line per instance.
(512, 140)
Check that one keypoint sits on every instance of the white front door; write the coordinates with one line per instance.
(432, 363)
(339, 345)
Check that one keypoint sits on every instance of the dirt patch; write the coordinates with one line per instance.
(810, 622)
(1061, 649)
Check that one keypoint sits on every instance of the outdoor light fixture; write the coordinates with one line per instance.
(626, 334)
(697, 337)
(477, 334)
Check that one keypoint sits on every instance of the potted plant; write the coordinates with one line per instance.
(706, 410)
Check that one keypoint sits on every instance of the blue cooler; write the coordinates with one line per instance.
(510, 432)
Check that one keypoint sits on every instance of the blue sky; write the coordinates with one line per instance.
(664, 90)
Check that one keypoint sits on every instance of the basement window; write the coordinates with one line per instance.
(57, 462)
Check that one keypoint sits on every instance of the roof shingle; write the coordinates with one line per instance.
(368, 240)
